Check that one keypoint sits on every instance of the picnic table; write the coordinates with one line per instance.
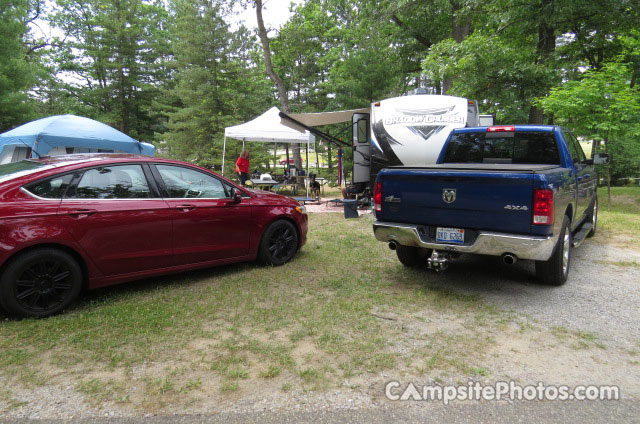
(263, 184)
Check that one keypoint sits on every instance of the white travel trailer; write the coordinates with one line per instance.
(408, 130)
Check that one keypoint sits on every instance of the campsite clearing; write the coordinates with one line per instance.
(326, 331)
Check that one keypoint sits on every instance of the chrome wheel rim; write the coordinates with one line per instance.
(594, 218)
(566, 245)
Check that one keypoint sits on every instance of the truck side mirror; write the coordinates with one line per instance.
(600, 158)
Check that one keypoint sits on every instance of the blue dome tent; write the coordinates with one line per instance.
(63, 134)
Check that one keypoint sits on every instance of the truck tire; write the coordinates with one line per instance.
(555, 270)
(412, 256)
(592, 217)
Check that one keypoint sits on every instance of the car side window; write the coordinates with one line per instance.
(113, 182)
(51, 188)
(182, 182)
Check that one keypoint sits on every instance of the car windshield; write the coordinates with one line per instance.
(16, 169)
(504, 147)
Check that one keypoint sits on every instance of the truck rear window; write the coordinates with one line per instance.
(513, 147)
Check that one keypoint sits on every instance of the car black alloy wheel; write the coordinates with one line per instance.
(43, 285)
(279, 243)
(40, 283)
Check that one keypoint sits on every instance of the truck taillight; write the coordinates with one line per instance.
(377, 197)
(501, 128)
(542, 207)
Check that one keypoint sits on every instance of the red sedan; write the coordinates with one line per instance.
(86, 221)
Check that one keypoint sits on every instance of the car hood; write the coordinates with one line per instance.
(272, 198)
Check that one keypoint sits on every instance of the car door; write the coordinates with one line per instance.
(120, 221)
(207, 224)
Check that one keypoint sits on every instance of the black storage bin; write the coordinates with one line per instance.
(350, 208)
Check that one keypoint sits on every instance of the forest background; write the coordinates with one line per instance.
(175, 73)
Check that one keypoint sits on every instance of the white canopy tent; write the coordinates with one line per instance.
(267, 128)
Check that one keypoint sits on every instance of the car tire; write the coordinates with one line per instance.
(412, 256)
(279, 243)
(40, 283)
(592, 217)
(555, 270)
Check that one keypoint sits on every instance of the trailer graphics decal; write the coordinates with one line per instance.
(414, 128)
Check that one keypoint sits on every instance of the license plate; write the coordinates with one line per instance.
(450, 235)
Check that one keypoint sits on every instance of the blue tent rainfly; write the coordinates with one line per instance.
(63, 134)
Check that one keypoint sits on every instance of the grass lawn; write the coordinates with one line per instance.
(619, 222)
(314, 323)
(325, 320)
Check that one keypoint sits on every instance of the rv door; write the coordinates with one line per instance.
(361, 148)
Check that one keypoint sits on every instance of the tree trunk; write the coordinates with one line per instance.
(282, 90)
(606, 149)
(460, 29)
(545, 48)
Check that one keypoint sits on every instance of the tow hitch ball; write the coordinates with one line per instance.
(439, 261)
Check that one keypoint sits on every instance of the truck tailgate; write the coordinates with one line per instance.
(482, 200)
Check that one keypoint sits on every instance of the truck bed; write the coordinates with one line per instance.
(485, 196)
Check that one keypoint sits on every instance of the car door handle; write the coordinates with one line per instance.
(185, 208)
(82, 213)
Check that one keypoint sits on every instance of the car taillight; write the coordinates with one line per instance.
(542, 207)
(501, 128)
(377, 197)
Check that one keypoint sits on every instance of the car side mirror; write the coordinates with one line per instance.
(600, 158)
(236, 197)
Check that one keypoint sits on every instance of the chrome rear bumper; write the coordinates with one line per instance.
(487, 243)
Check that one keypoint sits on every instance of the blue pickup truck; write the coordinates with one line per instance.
(518, 192)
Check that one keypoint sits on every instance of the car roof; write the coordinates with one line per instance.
(78, 160)
(63, 163)
(75, 158)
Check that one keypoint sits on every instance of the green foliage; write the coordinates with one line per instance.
(113, 61)
(16, 72)
(605, 105)
(217, 84)
(480, 62)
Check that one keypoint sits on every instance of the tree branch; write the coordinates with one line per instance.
(419, 38)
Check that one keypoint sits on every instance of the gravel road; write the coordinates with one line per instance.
(599, 297)
(522, 412)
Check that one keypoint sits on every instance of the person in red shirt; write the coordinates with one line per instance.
(242, 167)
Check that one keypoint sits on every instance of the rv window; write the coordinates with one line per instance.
(362, 131)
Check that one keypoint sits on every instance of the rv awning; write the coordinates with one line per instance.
(268, 128)
(324, 118)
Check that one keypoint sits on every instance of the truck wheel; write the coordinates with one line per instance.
(555, 270)
(592, 217)
(412, 256)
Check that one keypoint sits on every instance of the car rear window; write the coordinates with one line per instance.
(17, 169)
(503, 147)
